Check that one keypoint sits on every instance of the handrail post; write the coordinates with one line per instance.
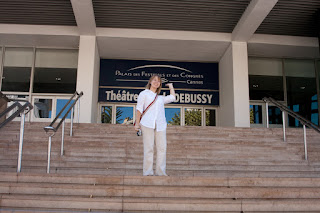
(284, 126)
(62, 138)
(62, 121)
(267, 114)
(23, 115)
(305, 142)
(22, 111)
(305, 122)
(49, 154)
(71, 121)
(79, 110)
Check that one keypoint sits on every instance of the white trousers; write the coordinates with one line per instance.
(150, 137)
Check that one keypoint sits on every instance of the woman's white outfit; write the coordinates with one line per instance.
(153, 126)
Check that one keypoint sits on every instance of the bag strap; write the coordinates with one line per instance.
(144, 111)
(149, 106)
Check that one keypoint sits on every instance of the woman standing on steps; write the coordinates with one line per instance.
(150, 118)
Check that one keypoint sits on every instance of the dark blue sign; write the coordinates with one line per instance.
(199, 79)
(129, 73)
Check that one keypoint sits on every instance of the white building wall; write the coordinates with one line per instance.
(88, 78)
(234, 89)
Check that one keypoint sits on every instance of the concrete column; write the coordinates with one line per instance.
(234, 87)
(88, 78)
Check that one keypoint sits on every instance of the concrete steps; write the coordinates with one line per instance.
(212, 169)
(167, 194)
(97, 147)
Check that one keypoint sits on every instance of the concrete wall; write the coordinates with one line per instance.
(234, 89)
(96, 76)
(88, 78)
(241, 84)
(226, 109)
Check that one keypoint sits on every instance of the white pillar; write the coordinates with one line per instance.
(234, 86)
(88, 78)
(226, 93)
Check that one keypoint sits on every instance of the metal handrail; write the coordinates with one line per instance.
(51, 130)
(3, 96)
(305, 122)
(22, 110)
(292, 113)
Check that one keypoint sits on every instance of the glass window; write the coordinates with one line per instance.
(301, 89)
(42, 108)
(210, 117)
(265, 78)
(192, 117)
(255, 114)
(106, 114)
(314, 110)
(124, 115)
(173, 116)
(275, 115)
(55, 71)
(60, 104)
(17, 69)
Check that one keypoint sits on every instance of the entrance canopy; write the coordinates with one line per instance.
(193, 30)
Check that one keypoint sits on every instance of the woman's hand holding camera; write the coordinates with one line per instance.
(137, 127)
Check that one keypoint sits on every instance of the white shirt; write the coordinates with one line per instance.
(155, 116)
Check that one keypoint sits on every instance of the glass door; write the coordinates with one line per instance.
(258, 115)
(116, 114)
(193, 116)
(46, 108)
(210, 117)
(124, 114)
(275, 117)
(173, 116)
(106, 114)
(60, 103)
(43, 108)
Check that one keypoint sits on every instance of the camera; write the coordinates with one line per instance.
(139, 132)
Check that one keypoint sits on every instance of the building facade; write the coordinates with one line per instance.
(221, 69)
